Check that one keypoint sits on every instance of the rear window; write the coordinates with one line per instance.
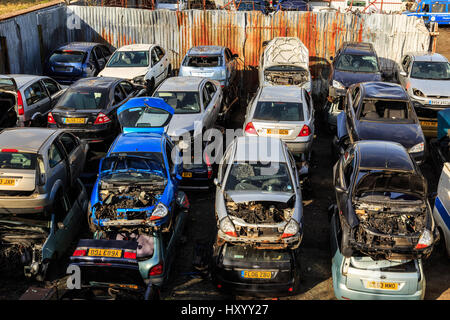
(144, 117)
(279, 111)
(63, 56)
(17, 160)
(181, 102)
(83, 99)
(247, 254)
(202, 61)
(366, 263)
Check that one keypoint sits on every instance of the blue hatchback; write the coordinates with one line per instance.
(76, 60)
(432, 11)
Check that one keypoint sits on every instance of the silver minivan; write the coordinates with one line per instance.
(360, 277)
(36, 166)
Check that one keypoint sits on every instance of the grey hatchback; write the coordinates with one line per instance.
(36, 166)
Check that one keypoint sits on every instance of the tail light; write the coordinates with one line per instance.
(249, 128)
(156, 270)
(208, 164)
(305, 131)
(102, 118)
(50, 118)
(9, 150)
(425, 240)
(20, 104)
(129, 255)
(79, 253)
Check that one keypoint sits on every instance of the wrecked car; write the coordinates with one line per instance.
(440, 146)
(285, 61)
(442, 207)
(36, 241)
(258, 195)
(382, 202)
(380, 111)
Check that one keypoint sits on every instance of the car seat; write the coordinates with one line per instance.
(394, 113)
(370, 111)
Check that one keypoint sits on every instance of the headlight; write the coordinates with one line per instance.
(417, 148)
(291, 229)
(425, 240)
(139, 80)
(338, 85)
(227, 227)
(159, 212)
(418, 93)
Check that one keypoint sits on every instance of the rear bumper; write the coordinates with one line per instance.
(33, 204)
(299, 146)
(274, 242)
(343, 293)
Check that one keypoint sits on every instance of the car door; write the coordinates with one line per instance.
(157, 66)
(207, 121)
(404, 67)
(37, 101)
(101, 59)
(129, 90)
(231, 65)
(92, 65)
(215, 102)
(164, 59)
(351, 108)
(75, 152)
(58, 167)
(54, 90)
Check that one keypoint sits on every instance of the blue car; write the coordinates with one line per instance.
(76, 60)
(432, 11)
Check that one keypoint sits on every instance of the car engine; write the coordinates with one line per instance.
(286, 77)
(260, 211)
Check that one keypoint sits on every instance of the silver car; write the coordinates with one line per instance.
(37, 165)
(196, 102)
(360, 277)
(258, 195)
(426, 78)
(25, 100)
(284, 112)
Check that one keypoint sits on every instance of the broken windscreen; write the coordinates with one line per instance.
(202, 61)
(386, 110)
(357, 63)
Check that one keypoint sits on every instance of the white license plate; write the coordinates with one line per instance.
(439, 102)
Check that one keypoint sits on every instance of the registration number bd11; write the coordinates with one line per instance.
(105, 253)
(251, 274)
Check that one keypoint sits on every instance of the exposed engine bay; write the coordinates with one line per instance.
(256, 212)
(115, 198)
(286, 77)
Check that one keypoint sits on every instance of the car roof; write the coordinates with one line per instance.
(255, 148)
(137, 142)
(136, 47)
(25, 139)
(79, 46)
(358, 48)
(23, 79)
(281, 93)
(384, 90)
(181, 84)
(383, 154)
(206, 50)
(428, 57)
(96, 82)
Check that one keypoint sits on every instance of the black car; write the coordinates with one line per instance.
(76, 60)
(382, 202)
(354, 62)
(257, 272)
(88, 108)
(380, 111)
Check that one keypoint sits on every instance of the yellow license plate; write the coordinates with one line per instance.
(105, 253)
(276, 131)
(186, 174)
(74, 120)
(8, 182)
(428, 123)
(250, 274)
(382, 285)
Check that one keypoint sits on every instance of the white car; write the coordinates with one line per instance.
(441, 211)
(143, 64)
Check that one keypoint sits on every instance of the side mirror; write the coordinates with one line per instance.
(403, 73)
(216, 182)
(340, 189)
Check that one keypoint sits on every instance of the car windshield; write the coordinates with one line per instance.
(431, 70)
(248, 254)
(270, 177)
(385, 110)
(357, 63)
(142, 167)
(144, 117)
(67, 56)
(249, 5)
(17, 160)
(279, 111)
(129, 59)
(202, 61)
(83, 99)
(182, 101)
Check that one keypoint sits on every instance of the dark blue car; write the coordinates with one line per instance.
(76, 60)
(354, 62)
(292, 5)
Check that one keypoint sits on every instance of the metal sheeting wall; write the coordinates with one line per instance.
(23, 39)
(244, 32)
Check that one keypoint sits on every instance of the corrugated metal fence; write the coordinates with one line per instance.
(244, 32)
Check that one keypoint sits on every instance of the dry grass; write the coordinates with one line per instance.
(10, 6)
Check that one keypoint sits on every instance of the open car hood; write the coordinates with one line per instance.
(246, 196)
(286, 51)
(149, 115)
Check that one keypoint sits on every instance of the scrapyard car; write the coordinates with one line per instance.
(258, 195)
(36, 241)
(247, 270)
(380, 111)
(426, 78)
(442, 206)
(285, 61)
(382, 202)
(362, 277)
